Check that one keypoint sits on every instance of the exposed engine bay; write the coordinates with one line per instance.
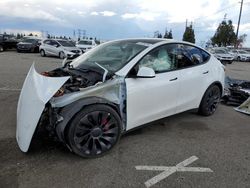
(79, 78)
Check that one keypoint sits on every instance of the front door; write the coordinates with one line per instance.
(149, 99)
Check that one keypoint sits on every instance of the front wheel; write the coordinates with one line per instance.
(210, 101)
(61, 55)
(94, 131)
(42, 52)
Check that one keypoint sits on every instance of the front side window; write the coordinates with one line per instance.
(161, 59)
(66, 43)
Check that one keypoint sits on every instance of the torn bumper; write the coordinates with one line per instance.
(36, 92)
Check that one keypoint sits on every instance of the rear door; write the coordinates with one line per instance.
(194, 76)
(149, 99)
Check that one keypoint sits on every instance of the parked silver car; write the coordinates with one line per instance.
(86, 44)
(60, 48)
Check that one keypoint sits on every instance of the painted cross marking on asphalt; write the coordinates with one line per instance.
(168, 170)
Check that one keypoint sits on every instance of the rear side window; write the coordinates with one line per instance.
(188, 56)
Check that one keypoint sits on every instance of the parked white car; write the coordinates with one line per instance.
(86, 45)
(60, 48)
(116, 87)
(241, 55)
(222, 55)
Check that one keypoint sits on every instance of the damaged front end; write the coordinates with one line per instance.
(237, 93)
(36, 92)
(51, 99)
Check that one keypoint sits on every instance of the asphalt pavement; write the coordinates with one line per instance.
(220, 143)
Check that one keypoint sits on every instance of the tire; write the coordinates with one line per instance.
(210, 101)
(94, 131)
(42, 52)
(230, 62)
(61, 55)
(1, 48)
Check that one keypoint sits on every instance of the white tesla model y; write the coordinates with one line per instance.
(119, 85)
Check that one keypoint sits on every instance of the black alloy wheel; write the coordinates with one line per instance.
(94, 131)
(210, 101)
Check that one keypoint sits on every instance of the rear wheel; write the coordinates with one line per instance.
(42, 52)
(94, 131)
(210, 101)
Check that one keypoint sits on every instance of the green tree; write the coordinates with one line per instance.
(170, 35)
(188, 35)
(18, 36)
(224, 35)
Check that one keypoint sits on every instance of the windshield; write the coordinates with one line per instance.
(242, 52)
(112, 56)
(30, 40)
(66, 43)
(220, 51)
(86, 42)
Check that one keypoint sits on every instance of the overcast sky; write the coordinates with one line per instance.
(112, 19)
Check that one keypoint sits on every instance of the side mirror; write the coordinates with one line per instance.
(145, 72)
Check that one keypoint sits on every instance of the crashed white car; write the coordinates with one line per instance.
(117, 86)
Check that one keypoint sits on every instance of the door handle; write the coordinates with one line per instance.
(173, 79)
(205, 72)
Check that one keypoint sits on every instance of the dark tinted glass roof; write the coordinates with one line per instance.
(149, 40)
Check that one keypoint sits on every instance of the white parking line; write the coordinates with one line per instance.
(9, 89)
(168, 170)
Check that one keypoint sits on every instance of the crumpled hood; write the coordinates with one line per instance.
(36, 92)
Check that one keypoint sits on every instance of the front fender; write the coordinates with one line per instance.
(69, 111)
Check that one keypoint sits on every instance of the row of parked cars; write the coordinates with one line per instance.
(61, 48)
(227, 55)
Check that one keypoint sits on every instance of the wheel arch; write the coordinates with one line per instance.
(69, 112)
(217, 83)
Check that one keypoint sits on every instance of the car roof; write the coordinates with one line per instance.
(146, 40)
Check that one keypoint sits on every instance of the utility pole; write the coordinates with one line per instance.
(237, 32)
